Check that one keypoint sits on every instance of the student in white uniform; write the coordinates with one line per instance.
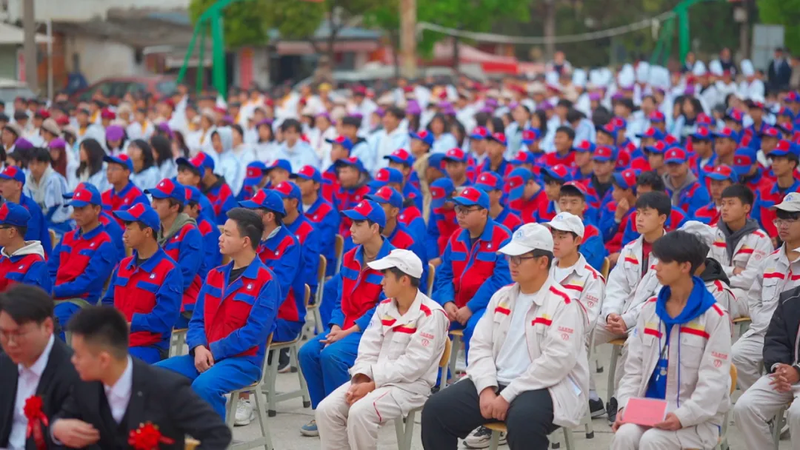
(397, 363)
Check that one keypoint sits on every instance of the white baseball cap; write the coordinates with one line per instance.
(701, 230)
(790, 203)
(527, 238)
(404, 260)
(569, 222)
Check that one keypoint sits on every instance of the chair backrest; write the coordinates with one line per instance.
(53, 238)
(339, 246)
(606, 268)
(431, 275)
(128, 252)
(323, 268)
(734, 376)
(448, 347)
(307, 294)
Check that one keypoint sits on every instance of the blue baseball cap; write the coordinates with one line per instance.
(558, 172)
(13, 173)
(265, 199)
(676, 155)
(608, 129)
(287, 189)
(85, 195)
(584, 146)
(14, 215)
(456, 154)
(441, 190)
(367, 210)
(724, 172)
(424, 136)
(489, 181)
(530, 135)
(702, 134)
(783, 148)
(626, 179)
(653, 133)
(343, 141)
(743, 160)
(352, 161)
(167, 188)
(726, 133)
(279, 164)
(140, 212)
(307, 173)
(193, 195)
(472, 197)
(81, 185)
(603, 153)
(386, 175)
(435, 161)
(199, 163)
(254, 172)
(387, 195)
(479, 133)
(516, 181)
(123, 160)
(401, 156)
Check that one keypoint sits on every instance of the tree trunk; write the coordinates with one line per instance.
(396, 53)
(456, 55)
(549, 28)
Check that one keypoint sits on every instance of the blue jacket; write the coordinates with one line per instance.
(282, 254)
(326, 220)
(410, 191)
(115, 231)
(37, 226)
(211, 255)
(592, 247)
(26, 266)
(692, 197)
(310, 245)
(81, 264)
(186, 248)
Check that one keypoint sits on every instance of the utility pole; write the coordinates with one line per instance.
(408, 37)
(549, 29)
(29, 45)
(744, 29)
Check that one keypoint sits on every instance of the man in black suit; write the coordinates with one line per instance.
(779, 72)
(121, 394)
(33, 363)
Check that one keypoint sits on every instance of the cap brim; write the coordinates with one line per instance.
(515, 249)
(787, 207)
(674, 161)
(124, 216)
(249, 204)
(251, 181)
(78, 203)
(354, 215)
(741, 170)
(620, 181)
(155, 193)
(561, 227)
(381, 264)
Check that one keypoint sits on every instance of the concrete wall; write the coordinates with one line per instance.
(82, 10)
(100, 58)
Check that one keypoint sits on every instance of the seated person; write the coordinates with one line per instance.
(527, 364)
(227, 335)
(526, 196)
(682, 333)
(12, 180)
(442, 221)
(471, 270)
(493, 185)
(682, 185)
(146, 287)
(397, 361)
(320, 213)
(208, 229)
(120, 396)
(21, 261)
(355, 293)
(711, 271)
(572, 199)
(649, 182)
(123, 193)
(199, 172)
(305, 232)
(84, 259)
(719, 179)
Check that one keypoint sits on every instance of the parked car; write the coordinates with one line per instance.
(117, 87)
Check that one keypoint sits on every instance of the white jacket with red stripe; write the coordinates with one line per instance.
(554, 333)
(774, 275)
(586, 285)
(403, 350)
(698, 385)
(749, 252)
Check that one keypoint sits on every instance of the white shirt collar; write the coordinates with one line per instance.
(38, 367)
(122, 388)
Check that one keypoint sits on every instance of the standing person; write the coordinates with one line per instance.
(779, 72)
(227, 337)
(146, 287)
(682, 333)
(21, 261)
(33, 365)
(356, 291)
(83, 260)
(320, 213)
(123, 193)
(122, 398)
(12, 181)
(351, 415)
(527, 364)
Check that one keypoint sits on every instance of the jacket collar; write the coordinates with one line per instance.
(386, 247)
(150, 263)
(413, 310)
(579, 268)
(486, 235)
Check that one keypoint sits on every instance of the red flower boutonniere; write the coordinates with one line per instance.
(36, 417)
(147, 437)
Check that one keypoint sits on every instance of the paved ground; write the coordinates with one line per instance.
(291, 415)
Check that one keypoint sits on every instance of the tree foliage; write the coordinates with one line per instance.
(786, 13)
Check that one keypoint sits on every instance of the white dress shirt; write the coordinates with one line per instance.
(119, 395)
(26, 387)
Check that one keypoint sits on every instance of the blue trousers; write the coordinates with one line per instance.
(221, 378)
(63, 312)
(327, 368)
(150, 354)
(330, 296)
(286, 330)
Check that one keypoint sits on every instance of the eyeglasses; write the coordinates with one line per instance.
(463, 211)
(16, 336)
(517, 260)
(784, 222)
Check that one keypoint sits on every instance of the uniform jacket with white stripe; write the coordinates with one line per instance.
(747, 255)
(776, 274)
(698, 385)
(554, 332)
(403, 350)
(585, 285)
(627, 289)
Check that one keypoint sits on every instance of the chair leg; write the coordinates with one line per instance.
(400, 433)
(495, 440)
(318, 320)
(230, 409)
(303, 385)
(262, 420)
(409, 430)
(588, 426)
(272, 377)
(454, 355)
(568, 442)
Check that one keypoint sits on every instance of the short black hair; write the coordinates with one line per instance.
(787, 215)
(173, 202)
(573, 115)
(352, 121)
(398, 113)
(547, 179)
(652, 180)
(568, 190)
(371, 223)
(183, 167)
(103, 326)
(568, 131)
(655, 200)
(248, 223)
(538, 253)
(22, 231)
(681, 246)
(291, 123)
(399, 274)
(40, 154)
(26, 303)
(740, 191)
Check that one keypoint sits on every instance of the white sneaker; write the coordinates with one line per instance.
(481, 438)
(245, 413)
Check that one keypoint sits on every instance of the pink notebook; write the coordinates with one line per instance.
(645, 411)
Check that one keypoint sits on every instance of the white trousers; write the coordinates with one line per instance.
(760, 404)
(635, 437)
(342, 426)
(747, 356)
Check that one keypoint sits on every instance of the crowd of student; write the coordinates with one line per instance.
(695, 214)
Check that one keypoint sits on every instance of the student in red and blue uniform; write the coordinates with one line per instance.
(234, 315)
(564, 138)
(525, 196)
(320, 213)
(113, 227)
(210, 231)
(12, 179)
(750, 172)
(403, 161)
(341, 147)
(683, 187)
(279, 171)
(584, 165)
(354, 292)
(704, 157)
(719, 179)
(651, 182)
(599, 186)
(527, 160)
(180, 239)
(420, 145)
(756, 112)
(572, 199)
(255, 178)
(352, 189)
(552, 178)
(199, 172)
(21, 261)
(649, 137)
(441, 220)
(123, 193)
(615, 214)
(146, 287)
(83, 260)
(398, 235)
(303, 230)
(496, 146)
(471, 270)
(784, 164)
(410, 214)
(492, 184)
(456, 164)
